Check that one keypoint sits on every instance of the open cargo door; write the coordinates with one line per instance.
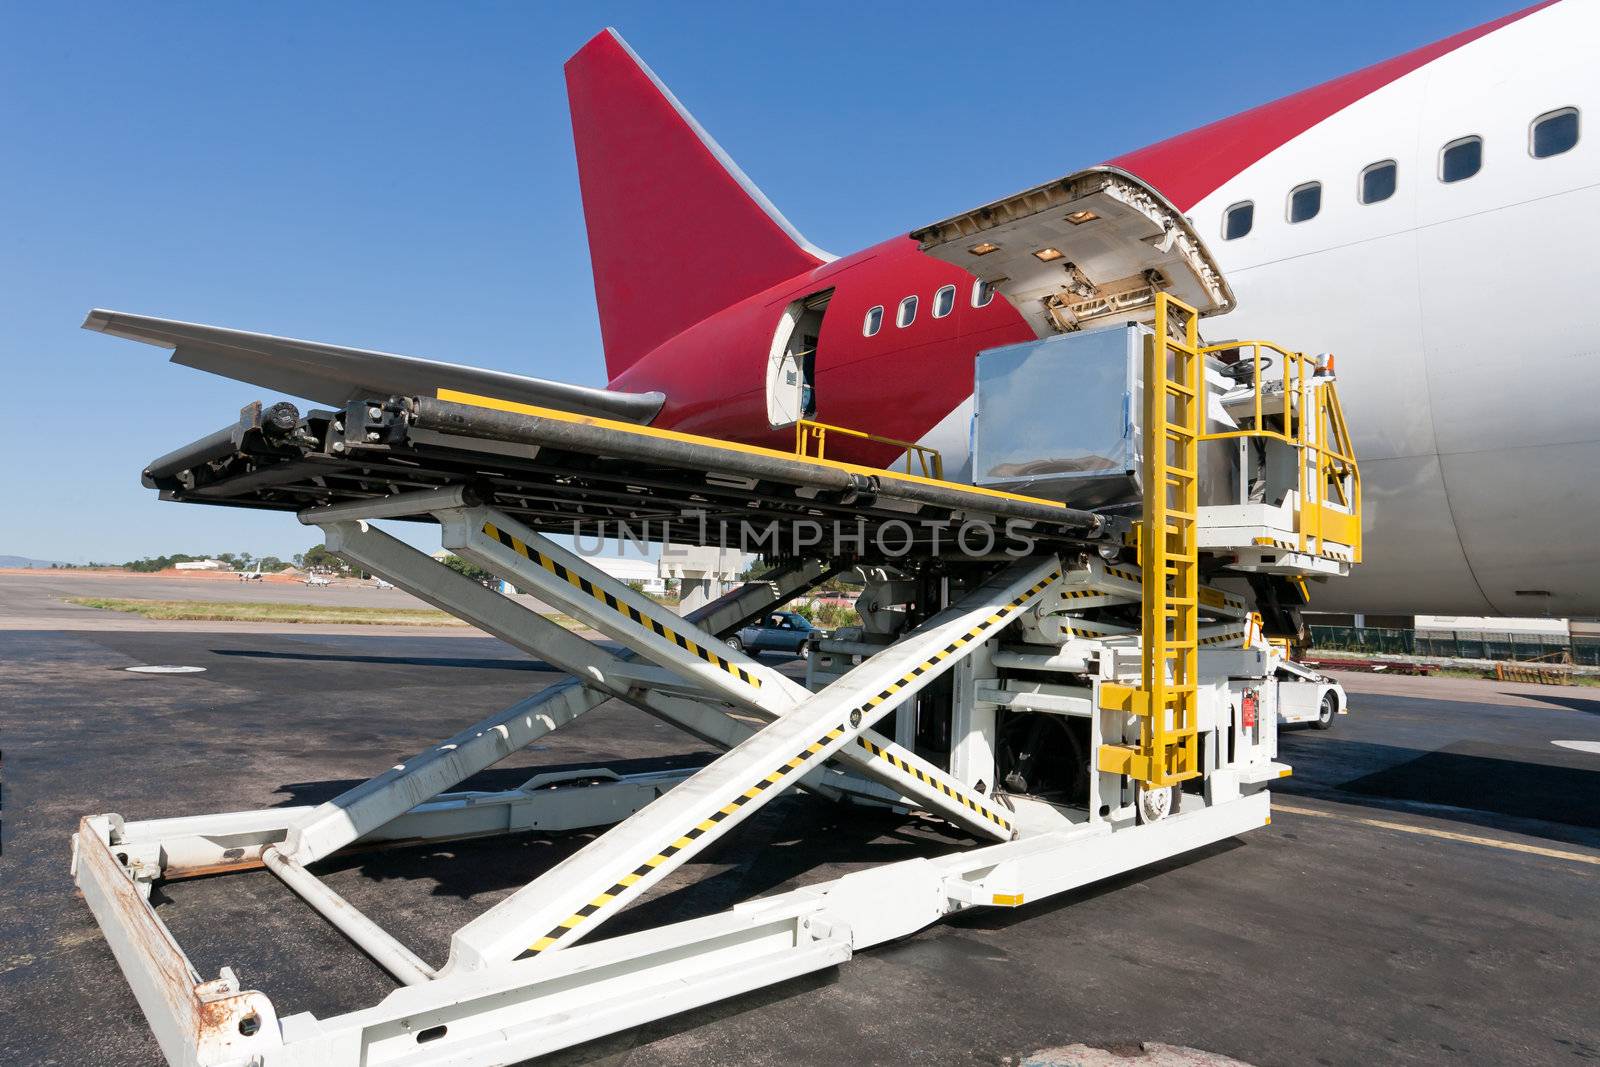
(1091, 249)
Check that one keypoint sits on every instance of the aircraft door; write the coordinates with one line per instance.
(786, 391)
(791, 364)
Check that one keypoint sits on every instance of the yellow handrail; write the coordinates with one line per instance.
(1319, 428)
(809, 430)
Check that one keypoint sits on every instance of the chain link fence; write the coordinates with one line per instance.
(1460, 644)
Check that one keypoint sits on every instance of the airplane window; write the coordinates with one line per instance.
(1378, 182)
(1554, 133)
(1461, 159)
(1305, 201)
(907, 313)
(982, 293)
(944, 301)
(1237, 220)
(873, 322)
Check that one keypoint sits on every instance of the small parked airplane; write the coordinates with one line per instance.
(250, 576)
(1432, 220)
(317, 581)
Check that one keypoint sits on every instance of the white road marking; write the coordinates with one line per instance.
(1581, 746)
(1471, 839)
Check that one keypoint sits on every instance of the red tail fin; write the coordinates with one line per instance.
(676, 230)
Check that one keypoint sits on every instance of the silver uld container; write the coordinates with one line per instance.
(1060, 419)
(1056, 418)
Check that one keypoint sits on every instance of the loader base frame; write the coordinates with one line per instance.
(526, 1008)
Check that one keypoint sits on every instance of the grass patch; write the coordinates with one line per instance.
(245, 611)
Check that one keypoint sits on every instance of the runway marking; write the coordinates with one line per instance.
(1471, 839)
(1580, 746)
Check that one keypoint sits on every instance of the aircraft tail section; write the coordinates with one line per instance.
(677, 231)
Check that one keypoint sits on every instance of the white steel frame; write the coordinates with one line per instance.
(519, 981)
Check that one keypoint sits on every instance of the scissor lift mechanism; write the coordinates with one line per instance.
(527, 976)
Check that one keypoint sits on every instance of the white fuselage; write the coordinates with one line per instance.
(1465, 327)
(1463, 316)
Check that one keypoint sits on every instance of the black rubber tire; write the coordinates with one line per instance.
(1325, 714)
(734, 643)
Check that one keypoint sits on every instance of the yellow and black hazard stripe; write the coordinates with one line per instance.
(1080, 594)
(784, 770)
(577, 581)
(1290, 546)
(698, 830)
(1000, 615)
(1097, 634)
(1118, 572)
(1216, 598)
(1224, 638)
(954, 794)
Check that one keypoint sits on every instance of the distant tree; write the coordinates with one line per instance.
(757, 569)
(151, 564)
(272, 564)
(318, 558)
(469, 569)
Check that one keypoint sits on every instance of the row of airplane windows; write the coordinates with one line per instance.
(944, 302)
(1550, 134)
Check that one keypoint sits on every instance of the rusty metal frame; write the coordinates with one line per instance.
(195, 1022)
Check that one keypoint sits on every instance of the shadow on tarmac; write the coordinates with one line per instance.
(496, 779)
(1584, 704)
(797, 836)
(1556, 797)
(395, 661)
(1001, 918)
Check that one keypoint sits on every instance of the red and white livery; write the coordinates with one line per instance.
(1429, 220)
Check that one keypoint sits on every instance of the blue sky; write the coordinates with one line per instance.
(400, 176)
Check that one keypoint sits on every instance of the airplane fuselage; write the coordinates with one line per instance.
(898, 383)
(1458, 311)
(1431, 221)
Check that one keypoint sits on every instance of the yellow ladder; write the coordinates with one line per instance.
(1165, 701)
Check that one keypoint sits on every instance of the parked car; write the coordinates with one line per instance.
(781, 631)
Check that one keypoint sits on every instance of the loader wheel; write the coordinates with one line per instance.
(1325, 714)
(1153, 805)
(735, 644)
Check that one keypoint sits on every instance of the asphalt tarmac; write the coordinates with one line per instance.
(1426, 892)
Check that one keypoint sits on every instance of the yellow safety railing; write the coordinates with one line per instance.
(1166, 699)
(1310, 420)
(808, 432)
